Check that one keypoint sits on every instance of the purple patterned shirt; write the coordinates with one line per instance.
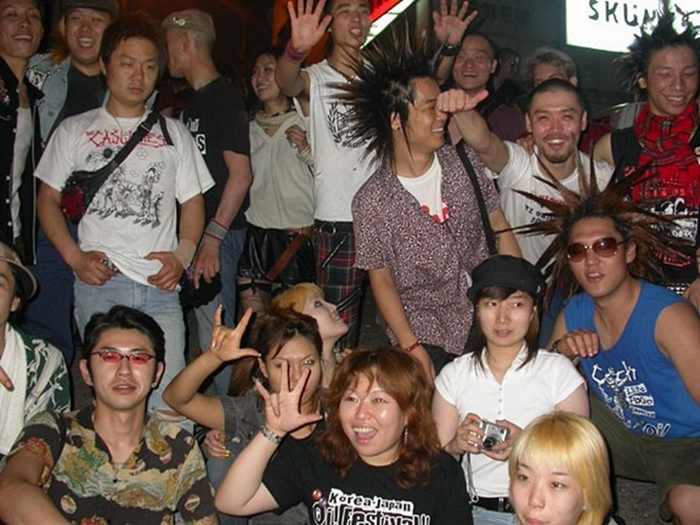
(431, 263)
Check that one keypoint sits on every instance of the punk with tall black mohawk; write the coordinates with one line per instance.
(662, 64)
(417, 223)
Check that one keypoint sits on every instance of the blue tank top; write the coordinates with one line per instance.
(634, 379)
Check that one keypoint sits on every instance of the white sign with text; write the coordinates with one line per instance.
(611, 25)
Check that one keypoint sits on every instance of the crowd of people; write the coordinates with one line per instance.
(538, 275)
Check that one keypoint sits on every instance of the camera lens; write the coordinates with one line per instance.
(489, 442)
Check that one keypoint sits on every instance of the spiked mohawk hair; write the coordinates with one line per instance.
(382, 87)
(635, 63)
(634, 220)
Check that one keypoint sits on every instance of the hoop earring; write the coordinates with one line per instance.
(405, 435)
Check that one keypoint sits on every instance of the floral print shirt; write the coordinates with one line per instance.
(164, 475)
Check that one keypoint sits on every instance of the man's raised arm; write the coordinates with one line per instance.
(308, 27)
(473, 128)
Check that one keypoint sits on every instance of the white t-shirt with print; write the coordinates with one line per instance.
(340, 164)
(519, 174)
(427, 189)
(134, 213)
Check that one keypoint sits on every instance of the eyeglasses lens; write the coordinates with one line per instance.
(137, 358)
(605, 247)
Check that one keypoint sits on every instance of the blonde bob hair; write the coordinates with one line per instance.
(573, 444)
(295, 298)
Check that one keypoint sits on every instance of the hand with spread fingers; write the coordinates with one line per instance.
(450, 24)
(282, 409)
(308, 24)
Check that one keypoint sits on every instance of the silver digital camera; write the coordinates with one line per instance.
(493, 434)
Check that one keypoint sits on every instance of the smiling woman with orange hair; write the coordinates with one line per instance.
(378, 461)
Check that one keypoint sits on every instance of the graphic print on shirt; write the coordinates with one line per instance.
(686, 224)
(200, 139)
(628, 398)
(132, 191)
(675, 207)
(338, 120)
(340, 508)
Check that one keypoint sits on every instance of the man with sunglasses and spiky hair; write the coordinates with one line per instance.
(109, 462)
(637, 342)
(663, 65)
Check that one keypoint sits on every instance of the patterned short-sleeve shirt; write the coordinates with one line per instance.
(164, 475)
(431, 263)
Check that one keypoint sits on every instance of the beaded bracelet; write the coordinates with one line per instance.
(411, 348)
(270, 435)
(305, 156)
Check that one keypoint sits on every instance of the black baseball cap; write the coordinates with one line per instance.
(508, 271)
(108, 6)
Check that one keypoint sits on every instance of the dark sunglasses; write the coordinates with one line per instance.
(605, 247)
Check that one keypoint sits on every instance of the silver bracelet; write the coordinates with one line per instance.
(270, 435)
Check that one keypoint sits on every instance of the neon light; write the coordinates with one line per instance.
(384, 14)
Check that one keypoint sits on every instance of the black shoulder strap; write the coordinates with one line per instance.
(626, 149)
(164, 129)
(136, 137)
(490, 237)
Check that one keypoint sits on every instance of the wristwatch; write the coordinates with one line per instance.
(449, 50)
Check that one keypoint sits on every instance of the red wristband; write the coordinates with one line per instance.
(293, 55)
(411, 348)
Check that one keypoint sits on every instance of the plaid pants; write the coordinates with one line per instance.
(341, 282)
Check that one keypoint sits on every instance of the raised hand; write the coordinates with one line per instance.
(226, 342)
(308, 24)
(457, 100)
(282, 409)
(450, 25)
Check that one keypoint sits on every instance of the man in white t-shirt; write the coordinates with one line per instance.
(133, 245)
(556, 117)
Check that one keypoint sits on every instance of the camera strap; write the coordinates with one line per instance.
(471, 489)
